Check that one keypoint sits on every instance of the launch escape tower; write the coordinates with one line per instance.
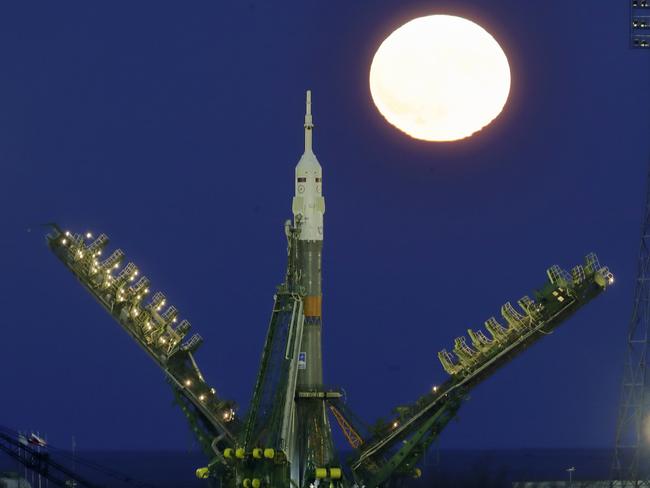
(284, 439)
(630, 463)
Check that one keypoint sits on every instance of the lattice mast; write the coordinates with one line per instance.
(631, 445)
(631, 448)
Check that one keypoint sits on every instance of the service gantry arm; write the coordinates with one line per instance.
(261, 445)
(399, 447)
(155, 326)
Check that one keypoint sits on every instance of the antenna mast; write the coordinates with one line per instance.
(629, 464)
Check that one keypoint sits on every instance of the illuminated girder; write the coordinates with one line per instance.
(557, 276)
(514, 319)
(127, 274)
(390, 451)
(157, 302)
(498, 332)
(183, 328)
(578, 274)
(110, 264)
(449, 362)
(152, 325)
(193, 344)
(466, 355)
(559, 294)
(479, 340)
(530, 307)
(396, 448)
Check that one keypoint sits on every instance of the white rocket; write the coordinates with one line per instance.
(308, 208)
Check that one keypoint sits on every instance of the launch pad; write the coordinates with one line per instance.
(285, 438)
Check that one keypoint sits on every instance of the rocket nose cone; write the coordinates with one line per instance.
(308, 161)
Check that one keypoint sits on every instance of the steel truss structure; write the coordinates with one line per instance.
(630, 464)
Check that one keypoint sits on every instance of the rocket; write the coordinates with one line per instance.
(308, 209)
(313, 432)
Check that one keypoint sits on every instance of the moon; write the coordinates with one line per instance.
(440, 78)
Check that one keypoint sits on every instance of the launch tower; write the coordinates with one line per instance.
(630, 465)
(284, 440)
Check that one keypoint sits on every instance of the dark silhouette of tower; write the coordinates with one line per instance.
(630, 463)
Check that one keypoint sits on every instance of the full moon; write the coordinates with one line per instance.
(440, 78)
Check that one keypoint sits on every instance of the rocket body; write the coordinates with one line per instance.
(308, 210)
(313, 430)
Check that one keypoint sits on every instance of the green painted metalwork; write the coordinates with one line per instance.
(152, 325)
(260, 449)
(556, 301)
(203, 435)
(415, 446)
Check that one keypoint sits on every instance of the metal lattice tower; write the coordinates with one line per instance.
(630, 462)
(631, 447)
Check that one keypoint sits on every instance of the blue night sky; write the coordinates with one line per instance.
(175, 129)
